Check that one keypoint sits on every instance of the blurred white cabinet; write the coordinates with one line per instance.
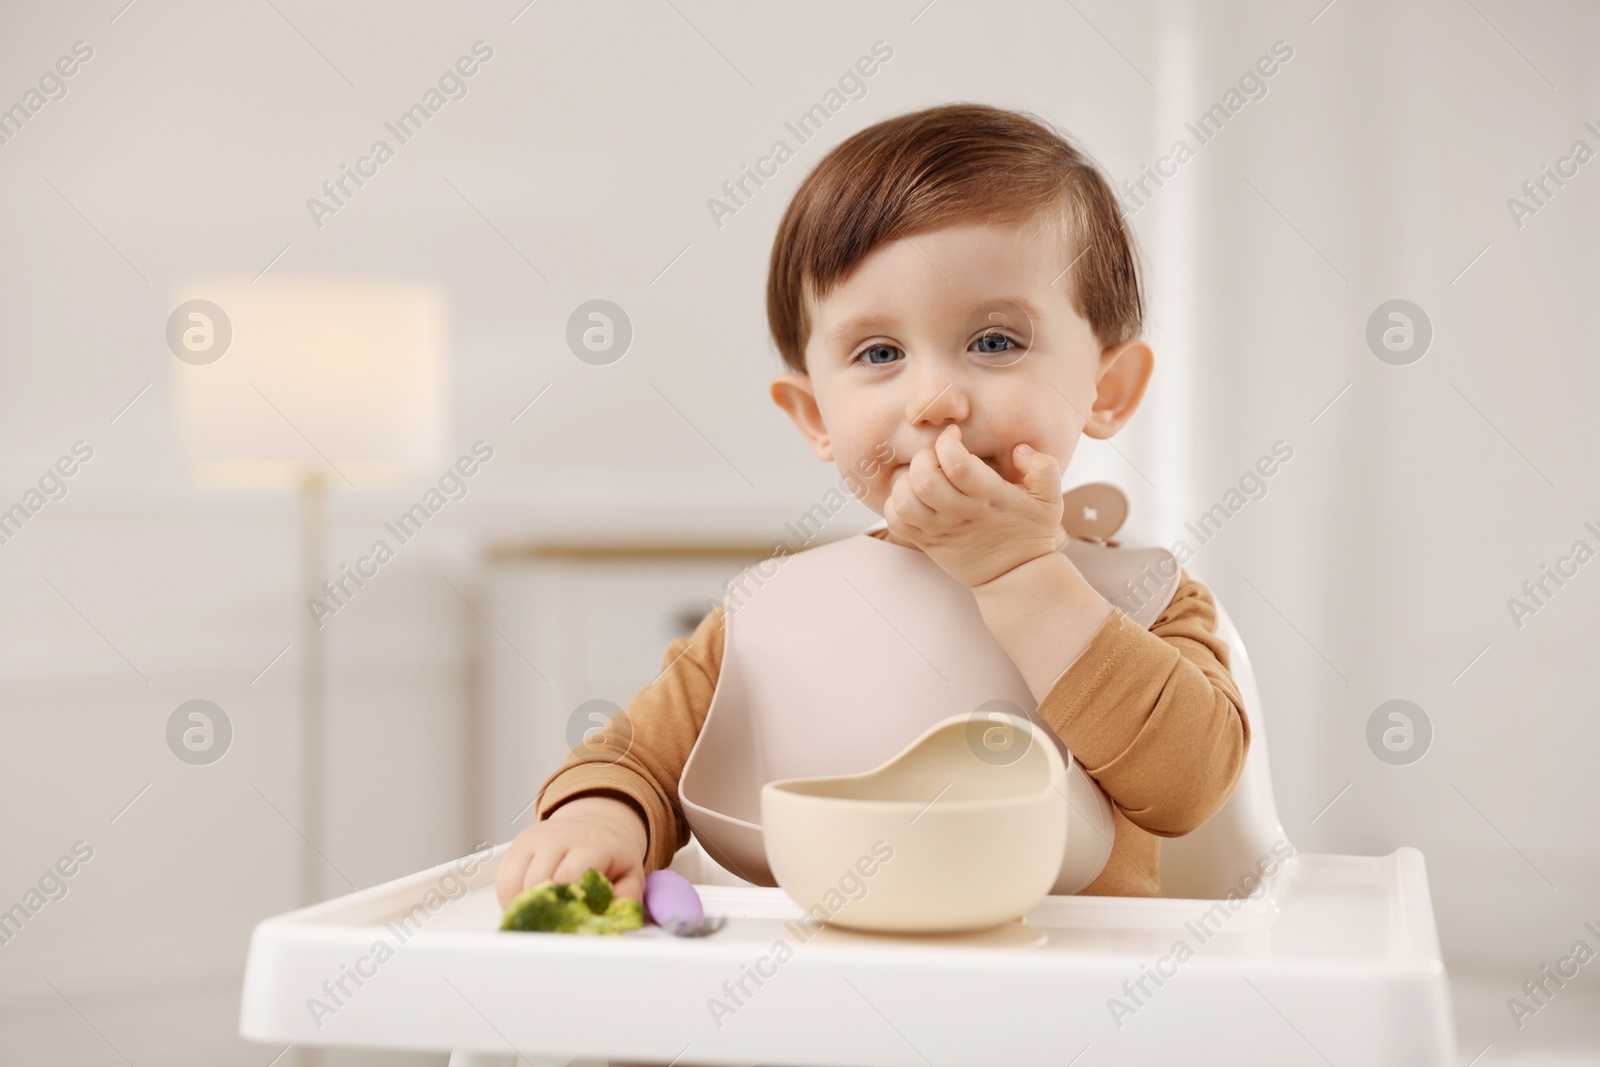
(567, 624)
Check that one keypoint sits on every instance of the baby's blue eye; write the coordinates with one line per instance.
(994, 337)
(867, 352)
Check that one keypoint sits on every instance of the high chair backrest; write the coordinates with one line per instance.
(1239, 838)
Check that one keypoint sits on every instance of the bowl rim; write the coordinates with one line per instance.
(782, 786)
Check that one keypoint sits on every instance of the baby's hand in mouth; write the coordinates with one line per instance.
(967, 517)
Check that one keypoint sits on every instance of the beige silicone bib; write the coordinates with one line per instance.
(838, 657)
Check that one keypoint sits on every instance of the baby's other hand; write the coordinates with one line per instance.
(593, 831)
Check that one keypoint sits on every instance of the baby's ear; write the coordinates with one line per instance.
(1123, 374)
(794, 394)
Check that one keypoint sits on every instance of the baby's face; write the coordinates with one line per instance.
(971, 325)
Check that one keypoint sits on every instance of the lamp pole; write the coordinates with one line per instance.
(313, 730)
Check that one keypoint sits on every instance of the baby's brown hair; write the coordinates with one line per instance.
(945, 165)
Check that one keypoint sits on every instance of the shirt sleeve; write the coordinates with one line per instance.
(1154, 715)
(639, 755)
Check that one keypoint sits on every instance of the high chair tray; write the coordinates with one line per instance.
(1337, 961)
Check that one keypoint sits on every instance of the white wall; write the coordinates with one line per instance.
(1378, 565)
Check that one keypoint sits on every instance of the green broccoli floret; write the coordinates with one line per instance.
(624, 913)
(588, 907)
(596, 890)
(539, 908)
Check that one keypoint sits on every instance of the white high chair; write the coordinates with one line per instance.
(1329, 959)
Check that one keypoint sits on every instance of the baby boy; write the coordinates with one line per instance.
(956, 297)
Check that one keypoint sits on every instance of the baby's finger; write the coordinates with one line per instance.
(631, 884)
(965, 472)
(543, 866)
(927, 484)
(909, 508)
(508, 879)
(897, 525)
(578, 860)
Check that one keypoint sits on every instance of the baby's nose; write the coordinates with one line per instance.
(943, 403)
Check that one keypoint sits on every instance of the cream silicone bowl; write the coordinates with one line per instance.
(954, 833)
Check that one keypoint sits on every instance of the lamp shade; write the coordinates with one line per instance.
(282, 379)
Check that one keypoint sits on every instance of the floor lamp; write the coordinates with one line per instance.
(310, 384)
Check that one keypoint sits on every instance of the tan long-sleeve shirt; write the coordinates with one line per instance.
(1153, 715)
